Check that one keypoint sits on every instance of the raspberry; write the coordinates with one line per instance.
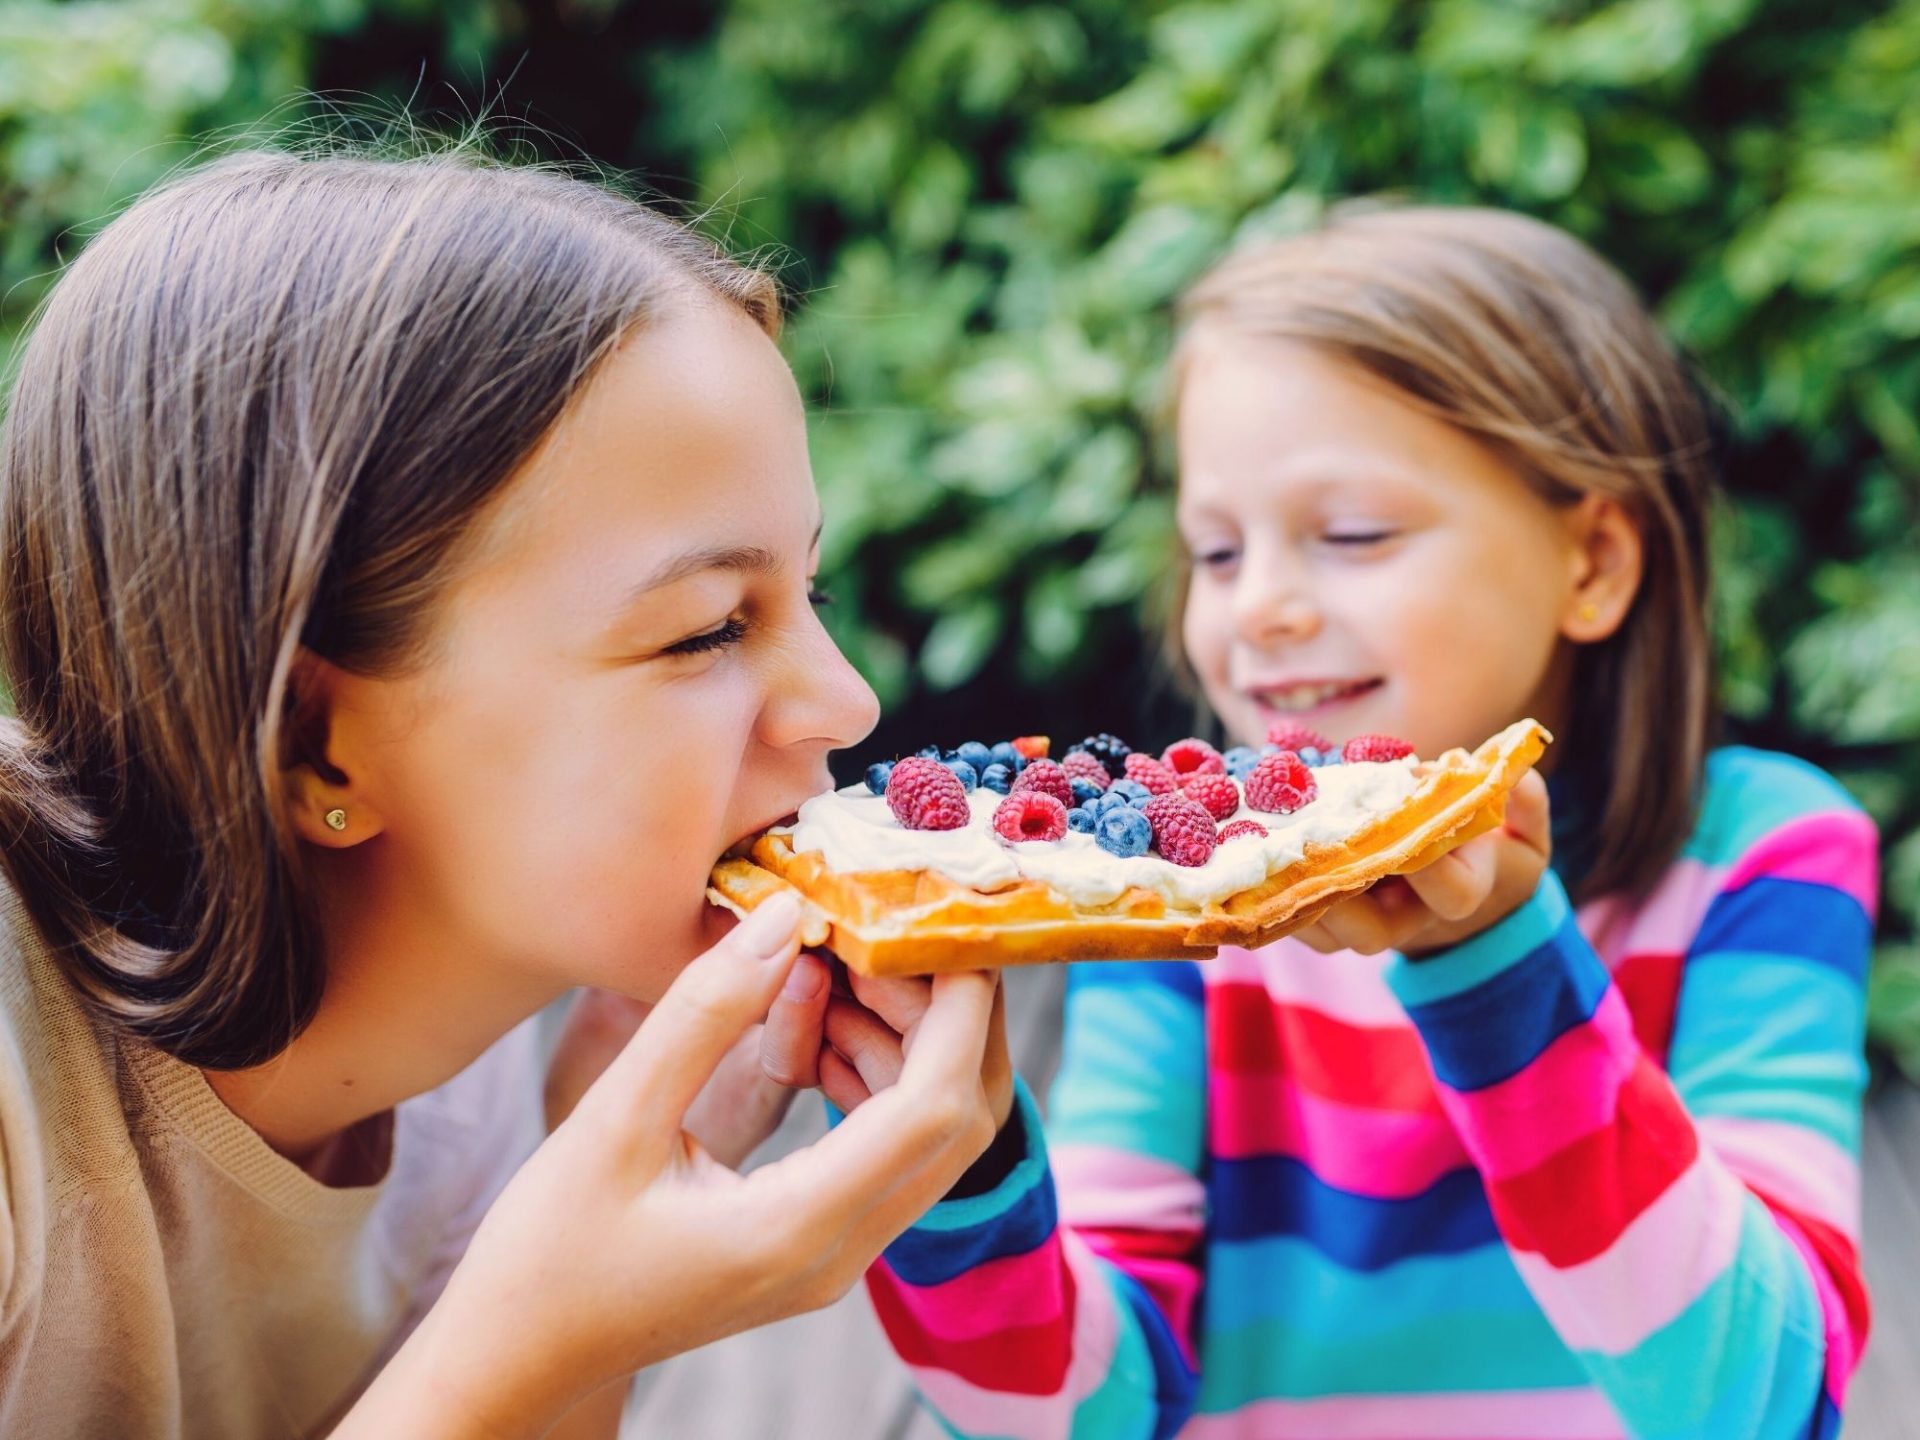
(1182, 831)
(1030, 815)
(1242, 827)
(1082, 765)
(1032, 747)
(1292, 735)
(925, 795)
(1280, 784)
(1047, 777)
(1110, 750)
(1144, 770)
(1375, 747)
(1216, 794)
(1193, 757)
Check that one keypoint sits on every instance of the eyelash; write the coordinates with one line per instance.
(1359, 537)
(733, 631)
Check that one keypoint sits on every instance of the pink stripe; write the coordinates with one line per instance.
(1661, 1264)
(1037, 1417)
(1468, 1415)
(1172, 1284)
(1796, 1166)
(1665, 923)
(1840, 848)
(1347, 986)
(1843, 1346)
(1104, 1188)
(1567, 1093)
(1003, 1294)
(1389, 1154)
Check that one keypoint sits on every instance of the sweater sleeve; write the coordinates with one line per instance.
(1691, 1234)
(1061, 1301)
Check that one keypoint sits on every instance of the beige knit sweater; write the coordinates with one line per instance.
(164, 1273)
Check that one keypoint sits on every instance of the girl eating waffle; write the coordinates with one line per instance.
(1515, 1146)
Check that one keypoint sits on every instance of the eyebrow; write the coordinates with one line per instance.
(740, 559)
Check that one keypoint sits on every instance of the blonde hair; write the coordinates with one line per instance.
(1519, 335)
(258, 414)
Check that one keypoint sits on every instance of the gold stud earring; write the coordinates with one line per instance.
(337, 819)
(1589, 612)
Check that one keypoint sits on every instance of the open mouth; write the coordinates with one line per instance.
(1309, 697)
(738, 849)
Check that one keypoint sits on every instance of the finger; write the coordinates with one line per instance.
(866, 1042)
(1458, 883)
(951, 1038)
(653, 1080)
(1358, 925)
(840, 1082)
(790, 1044)
(900, 1000)
(1529, 815)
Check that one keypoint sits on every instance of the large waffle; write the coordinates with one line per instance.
(918, 922)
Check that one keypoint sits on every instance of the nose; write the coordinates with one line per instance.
(1271, 604)
(820, 699)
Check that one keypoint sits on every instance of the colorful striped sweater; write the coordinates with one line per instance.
(1585, 1175)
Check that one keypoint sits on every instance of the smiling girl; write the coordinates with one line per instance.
(406, 597)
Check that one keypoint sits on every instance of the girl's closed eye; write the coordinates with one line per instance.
(731, 631)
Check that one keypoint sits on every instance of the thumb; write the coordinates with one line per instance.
(709, 1006)
(1529, 818)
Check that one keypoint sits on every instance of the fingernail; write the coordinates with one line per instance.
(804, 981)
(769, 926)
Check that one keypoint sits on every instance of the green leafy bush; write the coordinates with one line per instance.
(987, 207)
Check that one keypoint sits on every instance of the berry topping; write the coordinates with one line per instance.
(1242, 827)
(1130, 792)
(1280, 784)
(975, 754)
(925, 795)
(1375, 747)
(1030, 815)
(1080, 765)
(877, 776)
(1123, 831)
(1292, 735)
(1158, 779)
(1084, 790)
(1183, 832)
(1110, 750)
(1048, 778)
(1193, 757)
(1240, 761)
(1216, 794)
(967, 775)
(1033, 747)
(998, 778)
(1080, 821)
(929, 752)
(1005, 754)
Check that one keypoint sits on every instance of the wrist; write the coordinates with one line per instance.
(449, 1380)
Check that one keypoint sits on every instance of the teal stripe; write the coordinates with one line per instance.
(1028, 1174)
(1285, 1277)
(1751, 793)
(1497, 948)
(1771, 1038)
(1124, 1405)
(1751, 1348)
(1462, 1351)
(1133, 1074)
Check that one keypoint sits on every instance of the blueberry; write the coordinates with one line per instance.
(1333, 757)
(976, 755)
(1084, 790)
(1080, 821)
(1309, 755)
(1269, 749)
(1123, 831)
(1132, 791)
(928, 752)
(969, 777)
(1005, 754)
(997, 778)
(877, 776)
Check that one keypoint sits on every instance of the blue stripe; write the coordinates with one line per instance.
(933, 1257)
(1749, 794)
(1175, 1384)
(1494, 1031)
(1800, 918)
(1182, 977)
(1825, 1424)
(1272, 1195)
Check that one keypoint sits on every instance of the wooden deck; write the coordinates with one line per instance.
(830, 1376)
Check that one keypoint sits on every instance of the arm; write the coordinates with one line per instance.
(1708, 1278)
(1061, 1299)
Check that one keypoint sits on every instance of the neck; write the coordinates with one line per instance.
(404, 1011)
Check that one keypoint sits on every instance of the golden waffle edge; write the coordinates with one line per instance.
(919, 922)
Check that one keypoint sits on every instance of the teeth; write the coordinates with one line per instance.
(1305, 697)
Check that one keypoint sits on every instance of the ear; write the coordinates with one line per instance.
(1608, 559)
(322, 755)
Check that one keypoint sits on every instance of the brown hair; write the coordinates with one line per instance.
(1522, 337)
(258, 413)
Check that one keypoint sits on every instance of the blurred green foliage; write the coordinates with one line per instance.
(987, 207)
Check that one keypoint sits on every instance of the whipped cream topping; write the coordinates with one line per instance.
(854, 831)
